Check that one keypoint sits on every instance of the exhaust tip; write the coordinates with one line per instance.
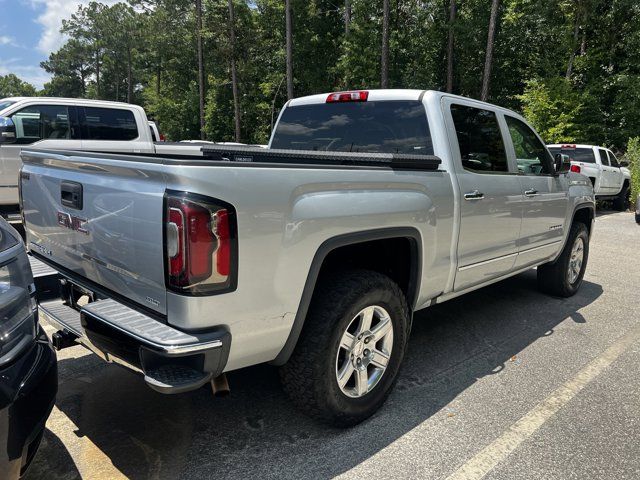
(220, 386)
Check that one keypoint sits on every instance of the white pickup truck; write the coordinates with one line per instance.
(70, 124)
(611, 180)
(312, 254)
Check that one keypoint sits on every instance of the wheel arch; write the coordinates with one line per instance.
(584, 213)
(332, 249)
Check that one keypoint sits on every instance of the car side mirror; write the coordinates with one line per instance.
(7, 130)
(561, 163)
(624, 163)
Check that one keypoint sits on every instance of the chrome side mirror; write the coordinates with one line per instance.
(7, 130)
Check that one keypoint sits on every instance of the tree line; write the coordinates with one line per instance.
(222, 69)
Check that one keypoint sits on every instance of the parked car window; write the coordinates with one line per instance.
(378, 127)
(41, 122)
(584, 155)
(109, 124)
(481, 145)
(6, 103)
(603, 157)
(531, 154)
(613, 160)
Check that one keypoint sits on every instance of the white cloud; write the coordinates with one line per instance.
(4, 40)
(51, 20)
(29, 73)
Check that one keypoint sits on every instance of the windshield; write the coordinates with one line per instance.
(584, 155)
(5, 103)
(377, 127)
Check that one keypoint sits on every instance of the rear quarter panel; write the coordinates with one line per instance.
(284, 215)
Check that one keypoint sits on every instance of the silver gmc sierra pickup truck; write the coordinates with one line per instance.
(312, 254)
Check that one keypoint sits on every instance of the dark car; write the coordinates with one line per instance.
(28, 371)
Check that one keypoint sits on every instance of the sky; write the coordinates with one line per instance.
(29, 31)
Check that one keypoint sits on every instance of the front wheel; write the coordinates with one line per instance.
(350, 350)
(621, 202)
(563, 277)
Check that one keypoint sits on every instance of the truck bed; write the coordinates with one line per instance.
(287, 204)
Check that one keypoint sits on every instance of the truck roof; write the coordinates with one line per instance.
(386, 94)
(575, 145)
(75, 101)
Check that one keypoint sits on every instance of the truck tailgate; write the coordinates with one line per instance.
(101, 220)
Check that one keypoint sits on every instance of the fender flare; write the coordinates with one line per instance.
(410, 233)
(580, 206)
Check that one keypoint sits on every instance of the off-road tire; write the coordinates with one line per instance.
(553, 278)
(309, 377)
(621, 202)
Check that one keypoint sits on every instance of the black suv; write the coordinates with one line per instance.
(28, 371)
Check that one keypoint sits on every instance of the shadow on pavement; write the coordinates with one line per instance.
(52, 461)
(256, 433)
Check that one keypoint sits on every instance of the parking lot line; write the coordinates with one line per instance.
(487, 459)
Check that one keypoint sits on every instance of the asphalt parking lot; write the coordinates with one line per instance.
(504, 383)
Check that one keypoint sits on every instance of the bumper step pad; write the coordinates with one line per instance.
(46, 279)
(147, 330)
(40, 269)
(175, 378)
(171, 360)
(61, 317)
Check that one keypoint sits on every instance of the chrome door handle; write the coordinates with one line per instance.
(475, 195)
(531, 193)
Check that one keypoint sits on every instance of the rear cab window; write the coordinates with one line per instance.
(391, 126)
(584, 155)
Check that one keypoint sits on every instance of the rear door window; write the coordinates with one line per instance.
(604, 157)
(109, 124)
(479, 138)
(41, 122)
(376, 127)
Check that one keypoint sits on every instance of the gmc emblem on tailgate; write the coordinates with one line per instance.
(72, 222)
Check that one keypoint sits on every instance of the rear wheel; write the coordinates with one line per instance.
(563, 277)
(350, 350)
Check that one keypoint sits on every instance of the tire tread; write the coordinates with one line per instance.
(299, 376)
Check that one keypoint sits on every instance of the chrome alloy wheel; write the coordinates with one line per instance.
(364, 352)
(575, 261)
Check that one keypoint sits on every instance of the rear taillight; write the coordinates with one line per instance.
(358, 96)
(200, 244)
(575, 168)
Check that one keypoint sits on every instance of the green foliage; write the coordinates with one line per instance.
(555, 109)
(571, 66)
(633, 157)
(12, 86)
